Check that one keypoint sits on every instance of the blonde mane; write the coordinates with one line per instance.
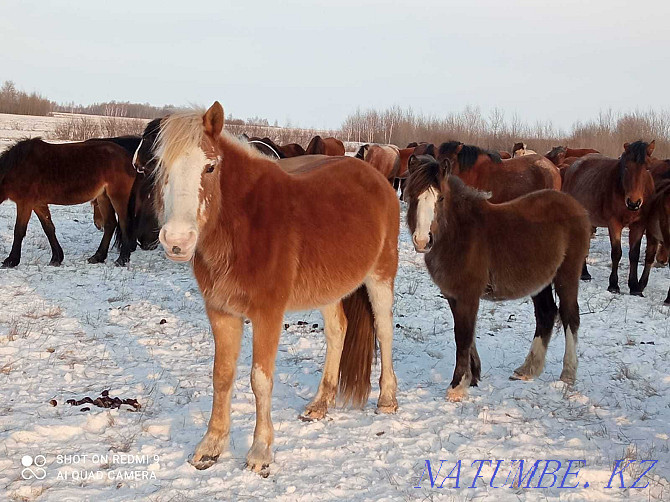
(184, 131)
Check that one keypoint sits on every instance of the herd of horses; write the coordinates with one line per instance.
(272, 228)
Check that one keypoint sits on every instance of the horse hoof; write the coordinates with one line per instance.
(121, 263)
(388, 406)
(519, 376)
(313, 414)
(585, 277)
(667, 301)
(263, 470)
(205, 462)
(637, 293)
(568, 378)
(455, 395)
(614, 289)
(55, 263)
(96, 259)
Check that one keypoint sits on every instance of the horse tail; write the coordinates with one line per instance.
(358, 349)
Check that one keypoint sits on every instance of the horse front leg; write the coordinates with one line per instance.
(464, 311)
(23, 211)
(636, 231)
(615, 241)
(267, 328)
(227, 330)
(44, 216)
(649, 257)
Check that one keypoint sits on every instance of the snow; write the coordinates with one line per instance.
(74, 331)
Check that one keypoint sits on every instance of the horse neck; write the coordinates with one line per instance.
(465, 209)
(239, 175)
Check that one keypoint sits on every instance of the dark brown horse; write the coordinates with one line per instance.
(292, 150)
(504, 154)
(400, 180)
(34, 174)
(257, 253)
(656, 215)
(384, 158)
(613, 191)
(325, 146)
(475, 249)
(504, 179)
(141, 207)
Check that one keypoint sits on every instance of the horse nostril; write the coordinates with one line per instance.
(176, 250)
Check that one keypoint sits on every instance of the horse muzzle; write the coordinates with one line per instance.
(633, 206)
(422, 245)
(178, 246)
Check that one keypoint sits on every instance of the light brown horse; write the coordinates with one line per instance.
(34, 174)
(384, 158)
(325, 146)
(475, 249)
(613, 191)
(504, 179)
(520, 149)
(256, 254)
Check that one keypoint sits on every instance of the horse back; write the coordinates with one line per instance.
(539, 229)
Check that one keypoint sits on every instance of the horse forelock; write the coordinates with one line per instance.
(182, 132)
(637, 152)
(425, 176)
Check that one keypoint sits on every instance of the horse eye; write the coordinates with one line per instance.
(210, 168)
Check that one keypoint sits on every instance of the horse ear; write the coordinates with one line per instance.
(459, 148)
(626, 146)
(213, 119)
(650, 147)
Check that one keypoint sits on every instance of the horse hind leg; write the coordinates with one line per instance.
(380, 292)
(23, 211)
(545, 315)
(335, 327)
(567, 288)
(44, 215)
(109, 225)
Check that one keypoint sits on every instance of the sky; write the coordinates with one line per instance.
(311, 64)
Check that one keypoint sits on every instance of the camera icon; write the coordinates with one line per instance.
(33, 467)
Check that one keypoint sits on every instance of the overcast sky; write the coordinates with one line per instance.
(313, 63)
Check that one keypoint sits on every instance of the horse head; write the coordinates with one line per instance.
(633, 170)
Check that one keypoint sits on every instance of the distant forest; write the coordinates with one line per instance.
(13, 100)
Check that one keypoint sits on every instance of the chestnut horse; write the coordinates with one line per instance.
(613, 191)
(475, 249)
(504, 179)
(325, 146)
(384, 158)
(292, 150)
(256, 254)
(34, 174)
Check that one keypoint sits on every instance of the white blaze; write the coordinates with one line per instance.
(425, 214)
(181, 201)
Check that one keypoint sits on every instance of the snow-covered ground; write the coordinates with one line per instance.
(141, 332)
